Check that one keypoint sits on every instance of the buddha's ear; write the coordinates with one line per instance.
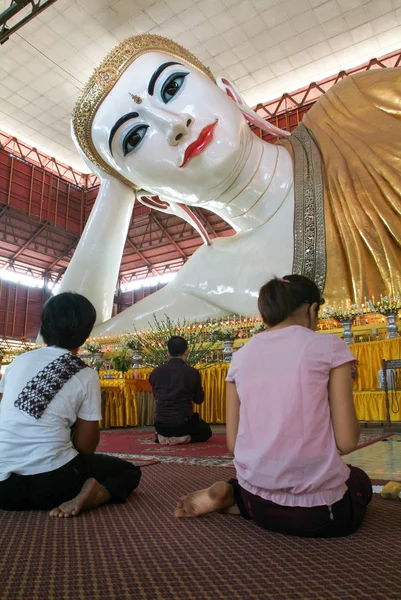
(173, 208)
(250, 115)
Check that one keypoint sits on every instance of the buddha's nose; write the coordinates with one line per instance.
(179, 128)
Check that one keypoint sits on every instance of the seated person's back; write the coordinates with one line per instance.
(282, 378)
(176, 386)
(35, 445)
(290, 412)
(49, 422)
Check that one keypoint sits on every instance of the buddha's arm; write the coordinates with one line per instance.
(93, 270)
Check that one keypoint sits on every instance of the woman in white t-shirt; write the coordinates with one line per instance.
(45, 393)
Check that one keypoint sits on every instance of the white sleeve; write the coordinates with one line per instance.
(91, 407)
(3, 382)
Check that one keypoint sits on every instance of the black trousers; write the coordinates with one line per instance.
(341, 519)
(197, 428)
(45, 491)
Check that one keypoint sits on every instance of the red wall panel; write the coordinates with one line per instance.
(127, 299)
(20, 310)
(40, 193)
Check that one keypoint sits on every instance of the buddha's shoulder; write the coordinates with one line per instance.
(375, 84)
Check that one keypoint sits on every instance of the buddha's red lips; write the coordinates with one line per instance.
(198, 146)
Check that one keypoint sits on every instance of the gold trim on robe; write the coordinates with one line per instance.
(309, 226)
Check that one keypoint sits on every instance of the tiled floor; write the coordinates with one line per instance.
(381, 460)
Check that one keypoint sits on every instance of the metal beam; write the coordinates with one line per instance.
(168, 236)
(15, 7)
(4, 210)
(65, 254)
(28, 242)
(145, 260)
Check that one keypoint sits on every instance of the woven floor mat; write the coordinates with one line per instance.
(138, 445)
(138, 551)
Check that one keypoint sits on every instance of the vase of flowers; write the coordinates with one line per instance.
(92, 348)
(98, 365)
(345, 316)
(121, 361)
(136, 357)
(390, 307)
(227, 350)
(258, 328)
(227, 335)
(392, 327)
(347, 331)
(134, 343)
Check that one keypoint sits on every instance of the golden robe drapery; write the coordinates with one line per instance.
(357, 125)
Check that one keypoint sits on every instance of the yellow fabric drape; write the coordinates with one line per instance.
(131, 374)
(370, 356)
(357, 125)
(126, 405)
(213, 409)
(371, 406)
(121, 404)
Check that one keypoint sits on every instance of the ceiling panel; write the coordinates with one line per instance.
(267, 47)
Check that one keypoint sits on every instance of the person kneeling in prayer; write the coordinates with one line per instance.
(46, 394)
(175, 387)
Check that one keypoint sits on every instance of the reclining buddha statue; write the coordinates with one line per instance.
(324, 201)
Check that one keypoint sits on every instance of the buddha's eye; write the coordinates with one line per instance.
(172, 86)
(133, 138)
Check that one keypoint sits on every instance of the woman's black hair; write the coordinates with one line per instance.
(67, 320)
(281, 297)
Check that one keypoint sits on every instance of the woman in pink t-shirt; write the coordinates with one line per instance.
(289, 415)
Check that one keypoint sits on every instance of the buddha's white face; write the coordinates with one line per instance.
(183, 141)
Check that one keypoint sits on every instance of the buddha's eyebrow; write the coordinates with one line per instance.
(156, 74)
(117, 124)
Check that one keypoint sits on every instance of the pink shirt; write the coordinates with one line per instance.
(285, 449)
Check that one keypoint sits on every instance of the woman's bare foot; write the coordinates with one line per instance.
(92, 494)
(219, 497)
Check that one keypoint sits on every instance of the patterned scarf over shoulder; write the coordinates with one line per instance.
(40, 391)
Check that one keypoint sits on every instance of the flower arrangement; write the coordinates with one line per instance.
(91, 347)
(132, 341)
(341, 314)
(25, 348)
(224, 334)
(98, 365)
(121, 360)
(387, 305)
(258, 328)
(154, 341)
(368, 307)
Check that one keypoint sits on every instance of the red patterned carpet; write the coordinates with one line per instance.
(138, 444)
(135, 444)
(138, 551)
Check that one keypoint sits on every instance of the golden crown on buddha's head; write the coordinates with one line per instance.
(106, 76)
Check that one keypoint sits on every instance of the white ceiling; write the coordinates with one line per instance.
(267, 47)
